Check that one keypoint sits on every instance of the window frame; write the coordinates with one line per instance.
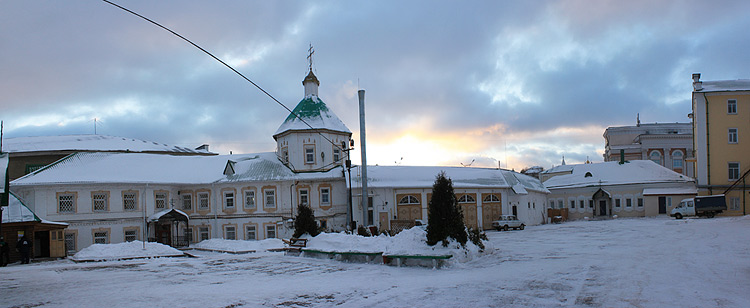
(253, 204)
(491, 198)
(678, 156)
(266, 204)
(731, 106)
(467, 198)
(73, 200)
(99, 201)
(336, 154)
(125, 199)
(102, 234)
(230, 229)
(303, 196)
(187, 199)
(161, 196)
(410, 200)
(229, 198)
(325, 196)
(308, 158)
(73, 234)
(651, 157)
(268, 228)
(134, 235)
(733, 135)
(733, 171)
(247, 232)
(618, 203)
(201, 233)
(201, 195)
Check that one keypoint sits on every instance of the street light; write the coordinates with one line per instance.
(348, 165)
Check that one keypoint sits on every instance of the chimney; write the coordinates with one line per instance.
(697, 83)
(622, 156)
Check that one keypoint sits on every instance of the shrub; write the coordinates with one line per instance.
(305, 222)
(361, 230)
(477, 237)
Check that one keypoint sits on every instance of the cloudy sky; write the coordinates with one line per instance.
(509, 83)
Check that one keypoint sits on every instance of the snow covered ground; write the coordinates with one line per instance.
(647, 262)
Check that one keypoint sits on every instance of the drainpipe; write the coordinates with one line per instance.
(291, 199)
(708, 149)
(145, 222)
(216, 218)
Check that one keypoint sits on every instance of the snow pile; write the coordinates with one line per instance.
(128, 250)
(408, 242)
(239, 246)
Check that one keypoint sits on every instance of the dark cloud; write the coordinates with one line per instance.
(505, 69)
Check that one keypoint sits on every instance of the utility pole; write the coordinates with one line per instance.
(365, 199)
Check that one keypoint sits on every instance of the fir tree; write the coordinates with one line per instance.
(305, 222)
(444, 218)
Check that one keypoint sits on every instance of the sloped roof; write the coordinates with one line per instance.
(101, 167)
(462, 177)
(726, 85)
(92, 143)
(16, 211)
(613, 173)
(312, 110)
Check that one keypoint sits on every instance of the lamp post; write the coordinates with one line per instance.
(348, 164)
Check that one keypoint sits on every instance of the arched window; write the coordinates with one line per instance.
(409, 200)
(466, 199)
(491, 198)
(677, 159)
(655, 156)
(588, 175)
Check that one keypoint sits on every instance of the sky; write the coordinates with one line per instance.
(482, 83)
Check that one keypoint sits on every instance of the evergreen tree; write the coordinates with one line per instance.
(305, 222)
(444, 217)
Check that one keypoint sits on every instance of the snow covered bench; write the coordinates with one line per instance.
(436, 260)
(294, 245)
(350, 256)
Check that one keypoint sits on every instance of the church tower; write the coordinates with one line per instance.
(311, 137)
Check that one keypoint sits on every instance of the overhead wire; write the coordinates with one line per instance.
(228, 66)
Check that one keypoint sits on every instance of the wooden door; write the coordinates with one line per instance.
(57, 244)
(409, 212)
(470, 215)
(490, 212)
(384, 221)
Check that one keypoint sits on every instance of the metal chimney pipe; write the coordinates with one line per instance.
(363, 139)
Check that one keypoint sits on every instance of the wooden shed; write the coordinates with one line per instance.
(47, 236)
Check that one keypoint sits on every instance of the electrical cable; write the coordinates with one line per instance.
(225, 64)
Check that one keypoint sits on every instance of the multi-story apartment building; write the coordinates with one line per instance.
(721, 117)
(667, 144)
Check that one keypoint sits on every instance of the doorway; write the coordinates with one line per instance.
(164, 234)
(662, 205)
(602, 207)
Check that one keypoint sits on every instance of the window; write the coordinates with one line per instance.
(309, 154)
(677, 158)
(131, 235)
(70, 241)
(732, 135)
(466, 199)
(669, 201)
(187, 202)
(491, 198)
(230, 233)
(160, 200)
(528, 205)
(552, 204)
(408, 200)
(66, 203)
(560, 204)
(203, 201)
(270, 198)
(617, 202)
(734, 203)
(734, 171)
(572, 204)
(249, 199)
(130, 201)
(285, 155)
(101, 237)
(336, 154)
(655, 156)
(250, 233)
(99, 201)
(580, 204)
(732, 106)
(203, 233)
(591, 204)
(640, 202)
(629, 202)
(325, 196)
(229, 199)
(304, 196)
(270, 231)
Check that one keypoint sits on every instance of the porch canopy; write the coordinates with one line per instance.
(169, 216)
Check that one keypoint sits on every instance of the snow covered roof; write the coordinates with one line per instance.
(612, 173)
(462, 177)
(16, 211)
(107, 167)
(725, 85)
(92, 143)
(171, 212)
(313, 111)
